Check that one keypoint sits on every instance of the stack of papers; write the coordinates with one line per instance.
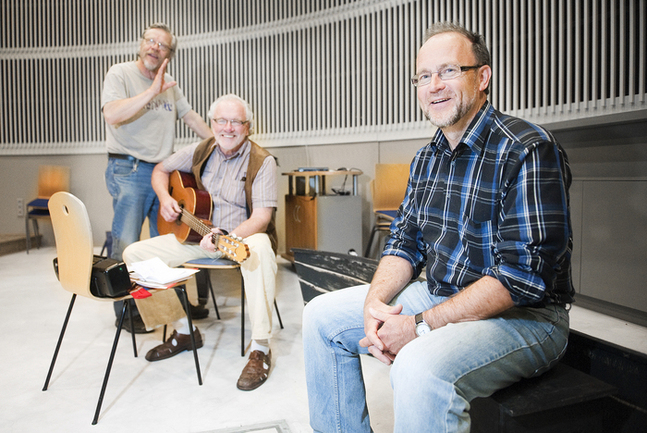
(155, 274)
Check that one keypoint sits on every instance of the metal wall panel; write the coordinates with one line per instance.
(326, 71)
(614, 241)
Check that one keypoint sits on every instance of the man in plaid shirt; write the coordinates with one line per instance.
(486, 213)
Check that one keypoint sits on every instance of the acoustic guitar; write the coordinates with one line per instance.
(195, 220)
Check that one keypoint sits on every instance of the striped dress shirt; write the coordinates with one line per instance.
(497, 205)
(224, 178)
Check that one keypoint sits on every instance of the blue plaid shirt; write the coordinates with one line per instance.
(497, 205)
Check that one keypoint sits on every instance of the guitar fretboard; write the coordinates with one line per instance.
(195, 223)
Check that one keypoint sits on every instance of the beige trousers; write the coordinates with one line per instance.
(259, 274)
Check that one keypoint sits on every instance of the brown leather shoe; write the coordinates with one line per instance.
(255, 372)
(175, 344)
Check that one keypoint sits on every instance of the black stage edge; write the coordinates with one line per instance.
(320, 271)
(626, 369)
(623, 369)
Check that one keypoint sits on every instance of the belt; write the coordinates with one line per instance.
(128, 158)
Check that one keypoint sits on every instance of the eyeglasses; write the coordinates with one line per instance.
(152, 42)
(448, 72)
(235, 122)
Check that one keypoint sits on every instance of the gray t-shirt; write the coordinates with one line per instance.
(150, 133)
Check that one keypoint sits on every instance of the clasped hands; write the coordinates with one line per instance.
(387, 331)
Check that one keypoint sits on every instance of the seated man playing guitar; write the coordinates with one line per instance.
(236, 179)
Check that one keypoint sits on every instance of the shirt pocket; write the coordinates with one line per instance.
(477, 239)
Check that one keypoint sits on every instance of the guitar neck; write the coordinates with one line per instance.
(195, 223)
(233, 248)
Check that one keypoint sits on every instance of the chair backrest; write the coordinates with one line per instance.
(51, 179)
(389, 186)
(74, 246)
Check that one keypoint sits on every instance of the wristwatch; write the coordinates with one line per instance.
(421, 326)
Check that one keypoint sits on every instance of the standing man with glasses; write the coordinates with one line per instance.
(240, 176)
(486, 212)
(141, 104)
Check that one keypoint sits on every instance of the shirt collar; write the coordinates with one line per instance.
(475, 135)
(241, 151)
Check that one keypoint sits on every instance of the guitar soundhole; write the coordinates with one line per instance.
(178, 221)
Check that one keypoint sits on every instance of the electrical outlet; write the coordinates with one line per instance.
(21, 208)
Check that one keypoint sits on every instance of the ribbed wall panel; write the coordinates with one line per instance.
(326, 71)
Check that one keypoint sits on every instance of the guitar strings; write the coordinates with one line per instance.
(202, 229)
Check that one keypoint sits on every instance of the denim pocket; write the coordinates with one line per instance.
(117, 169)
(122, 167)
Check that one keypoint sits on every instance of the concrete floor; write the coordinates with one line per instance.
(165, 396)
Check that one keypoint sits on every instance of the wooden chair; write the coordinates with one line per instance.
(206, 265)
(74, 248)
(387, 189)
(51, 179)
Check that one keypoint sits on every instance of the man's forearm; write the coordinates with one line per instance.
(195, 122)
(119, 111)
(257, 223)
(392, 274)
(483, 299)
(160, 181)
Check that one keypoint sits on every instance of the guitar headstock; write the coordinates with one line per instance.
(232, 247)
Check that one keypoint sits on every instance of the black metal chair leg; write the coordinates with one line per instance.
(242, 314)
(185, 300)
(370, 241)
(213, 297)
(132, 325)
(109, 367)
(60, 340)
(28, 240)
(276, 307)
(36, 232)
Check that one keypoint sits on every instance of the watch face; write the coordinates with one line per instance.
(422, 328)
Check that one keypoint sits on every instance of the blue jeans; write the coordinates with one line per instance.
(133, 199)
(434, 377)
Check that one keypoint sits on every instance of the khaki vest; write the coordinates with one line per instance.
(256, 157)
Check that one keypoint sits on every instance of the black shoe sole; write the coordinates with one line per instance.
(199, 313)
(139, 329)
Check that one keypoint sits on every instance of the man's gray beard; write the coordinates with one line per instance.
(151, 69)
(456, 116)
(147, 65)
